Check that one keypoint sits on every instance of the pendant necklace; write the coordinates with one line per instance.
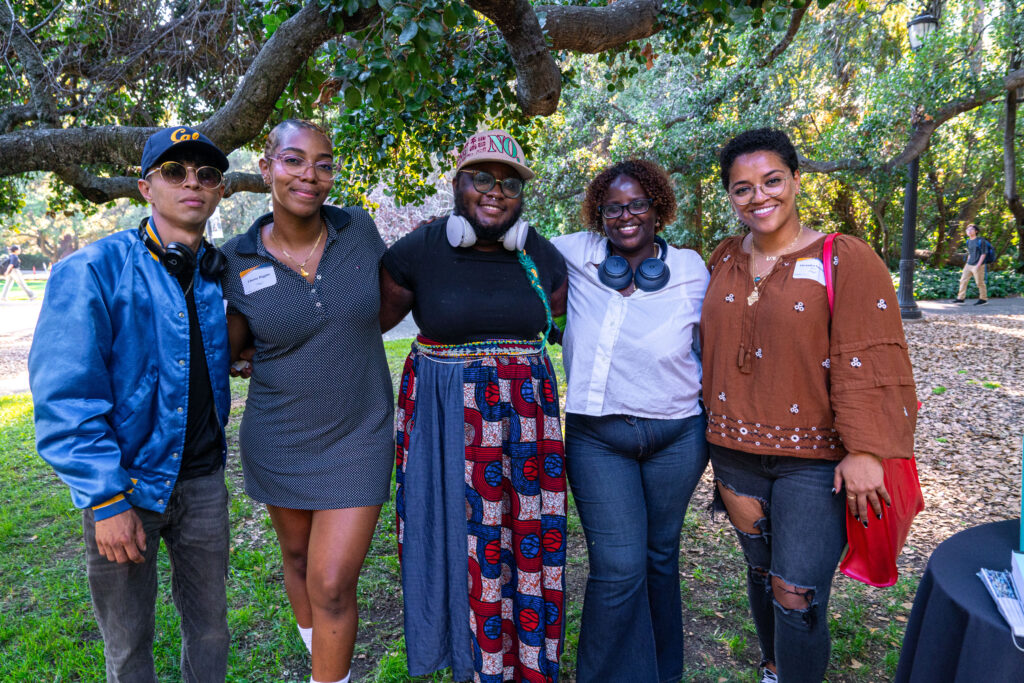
(755, 295)
(302, 266)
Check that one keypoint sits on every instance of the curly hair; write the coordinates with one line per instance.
(652, 177)
(274, 137)
(757, 140)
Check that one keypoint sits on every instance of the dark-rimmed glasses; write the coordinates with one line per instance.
(635, 208)
(296, 166)
(483, 182)
(773, 187)
(175, 173)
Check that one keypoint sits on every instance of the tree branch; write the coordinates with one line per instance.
(236, 123)
(100, 190)
(538, 80)
(48, 18)
(40, 81)
(294, 41)
(923, 130)
(598, 29)
(745, 77)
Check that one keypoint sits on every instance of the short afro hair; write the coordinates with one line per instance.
(274, 138)
(757, 140)
(652, 177)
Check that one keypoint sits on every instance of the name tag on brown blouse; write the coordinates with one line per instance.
(809, 269)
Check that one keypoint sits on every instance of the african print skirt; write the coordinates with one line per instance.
(481, 503)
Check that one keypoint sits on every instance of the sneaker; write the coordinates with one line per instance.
(979, 302)
(958, 301)
(768, 676)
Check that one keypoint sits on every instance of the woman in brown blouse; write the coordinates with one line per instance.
(802, 405)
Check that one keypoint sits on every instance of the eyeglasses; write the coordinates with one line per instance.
(773, 187)
(296, 166)
(635, 207)
(176, 173)
(484, 182)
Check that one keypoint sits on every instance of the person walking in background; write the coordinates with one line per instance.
(12, 275)
(481, 490)
(977, 252)
(802, 404)
(129, 377)
(634, 426)
(316, 439)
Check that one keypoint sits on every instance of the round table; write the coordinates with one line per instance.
(955, 631)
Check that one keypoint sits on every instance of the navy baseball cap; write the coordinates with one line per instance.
(180, 138)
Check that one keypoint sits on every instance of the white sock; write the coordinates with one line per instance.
(346, 679)
(307, 637)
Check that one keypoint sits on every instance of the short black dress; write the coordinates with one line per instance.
(318, 428)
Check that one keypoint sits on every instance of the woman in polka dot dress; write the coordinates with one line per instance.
(802, 406)
(316, 438)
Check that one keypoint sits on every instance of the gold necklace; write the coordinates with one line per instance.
(302, 266)
(755, 295)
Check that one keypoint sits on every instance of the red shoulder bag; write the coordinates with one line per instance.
(872, 551)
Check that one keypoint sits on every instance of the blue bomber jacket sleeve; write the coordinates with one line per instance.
(109, 369)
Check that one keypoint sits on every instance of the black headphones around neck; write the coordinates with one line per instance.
(177, 258)
(650, 276)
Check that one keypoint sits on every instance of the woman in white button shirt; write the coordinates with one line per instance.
(634, 438)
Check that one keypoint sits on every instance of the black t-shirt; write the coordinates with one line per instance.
(15, 261)
(467, 295)
(202, 452)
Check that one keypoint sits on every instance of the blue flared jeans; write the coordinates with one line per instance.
(800, 539)
(632, 479)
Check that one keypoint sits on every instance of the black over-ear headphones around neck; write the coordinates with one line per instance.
(177, 258)
(650, 276)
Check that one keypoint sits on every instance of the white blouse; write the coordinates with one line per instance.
(631, 355)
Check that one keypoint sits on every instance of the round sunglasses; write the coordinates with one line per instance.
(176, 173)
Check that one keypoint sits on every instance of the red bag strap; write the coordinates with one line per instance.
(830, 288)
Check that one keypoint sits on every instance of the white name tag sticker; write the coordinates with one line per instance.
(261, 277)
(809, 269)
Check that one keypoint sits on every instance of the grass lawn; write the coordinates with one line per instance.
(18, 294)
(47, 631)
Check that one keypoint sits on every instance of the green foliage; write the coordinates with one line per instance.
(943, 283)
(415, 84)
(411, 88)
(843, 90)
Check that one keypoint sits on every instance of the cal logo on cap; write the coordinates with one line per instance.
(182, 135)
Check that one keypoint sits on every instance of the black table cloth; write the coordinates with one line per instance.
(955, 631)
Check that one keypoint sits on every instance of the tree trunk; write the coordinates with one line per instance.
(842, 205)
(880, 243)
(943, 211)
(1013, 200)
(698, 218)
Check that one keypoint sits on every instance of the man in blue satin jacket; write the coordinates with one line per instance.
(129, 375)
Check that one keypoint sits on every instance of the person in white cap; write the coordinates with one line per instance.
(481, 494)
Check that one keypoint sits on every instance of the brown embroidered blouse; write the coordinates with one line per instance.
(781, 378)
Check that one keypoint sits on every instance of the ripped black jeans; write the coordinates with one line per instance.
(802, 535)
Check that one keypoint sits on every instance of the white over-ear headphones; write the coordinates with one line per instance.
(461, 234)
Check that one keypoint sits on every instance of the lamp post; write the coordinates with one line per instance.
(917, 28)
